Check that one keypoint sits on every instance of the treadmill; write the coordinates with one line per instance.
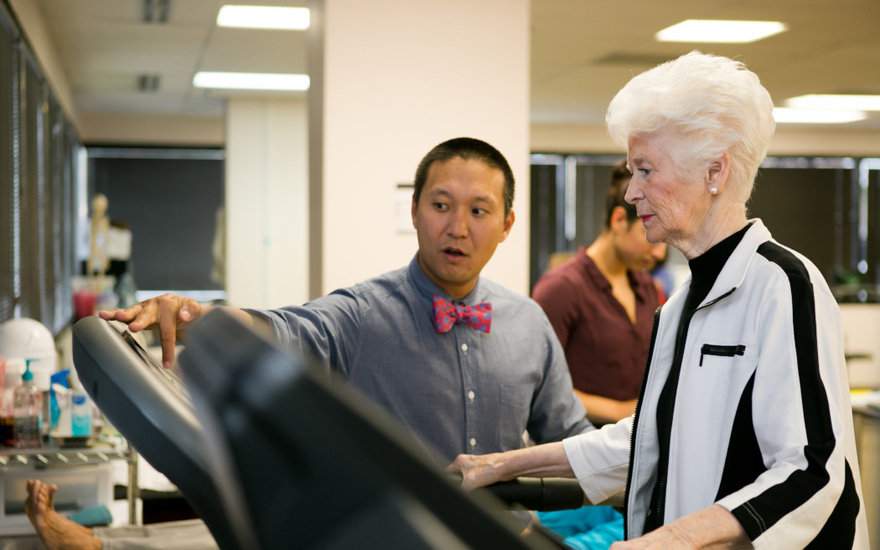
(273, 452)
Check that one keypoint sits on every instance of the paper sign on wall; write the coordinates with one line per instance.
(403, 208)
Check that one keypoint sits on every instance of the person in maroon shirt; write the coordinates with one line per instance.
(601, 304)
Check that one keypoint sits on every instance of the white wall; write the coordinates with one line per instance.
(400, 76)
(266, 202)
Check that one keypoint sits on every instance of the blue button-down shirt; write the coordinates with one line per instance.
(463, 391)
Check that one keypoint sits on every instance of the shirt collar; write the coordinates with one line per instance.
(595, 275)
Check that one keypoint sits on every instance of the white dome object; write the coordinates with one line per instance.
(29, 339)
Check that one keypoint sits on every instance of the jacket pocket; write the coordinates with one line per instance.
(721, 351)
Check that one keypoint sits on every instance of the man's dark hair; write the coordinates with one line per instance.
(620, 176)
(467, 149)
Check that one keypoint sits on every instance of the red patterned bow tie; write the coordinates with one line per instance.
(478, 317)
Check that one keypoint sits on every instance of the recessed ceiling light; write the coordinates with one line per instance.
(705, 30)
(263, 17)
(836, 101)
(251, 81)
(817, 116)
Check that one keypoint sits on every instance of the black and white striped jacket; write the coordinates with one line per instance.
(762, 420)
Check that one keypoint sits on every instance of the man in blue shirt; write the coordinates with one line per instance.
(466, 364)
(459, 390)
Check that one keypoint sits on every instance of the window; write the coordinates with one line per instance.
(169, 199)
(8, 189)
(825, 208)
(38, 149)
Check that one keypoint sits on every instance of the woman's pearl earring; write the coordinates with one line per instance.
(713, 190)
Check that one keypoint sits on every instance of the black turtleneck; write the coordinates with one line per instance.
(704, 271)
(706, 267)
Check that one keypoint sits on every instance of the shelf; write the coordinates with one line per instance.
(102, 451)
(51, 456)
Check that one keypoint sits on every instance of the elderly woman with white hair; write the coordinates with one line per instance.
(743, 433)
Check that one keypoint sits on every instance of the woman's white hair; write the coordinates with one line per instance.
(707, 105)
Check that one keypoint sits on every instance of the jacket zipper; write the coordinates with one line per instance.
(679, 342)
(660, 508)
(632, 439)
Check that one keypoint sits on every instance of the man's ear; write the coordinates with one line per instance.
(618, 222)
(415, 207)
(508, 225)
(719, 171)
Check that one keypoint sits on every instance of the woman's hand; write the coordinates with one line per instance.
(663, 538)
(710, 528)
(477, 470)
(546, 460)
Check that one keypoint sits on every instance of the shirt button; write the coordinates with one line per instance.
(464, 347)
(471, 395)
(473, 442)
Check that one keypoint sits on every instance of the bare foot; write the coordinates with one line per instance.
(55, 531)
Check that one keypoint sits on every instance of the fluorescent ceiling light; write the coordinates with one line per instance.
(263, 17)
(842, 101)
(705, 30)
(251, 81)
(817, 116)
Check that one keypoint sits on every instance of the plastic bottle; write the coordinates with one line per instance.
(14, 370)
(126, 290)
(81, 409)
(28, 408)
(97, 421)
(61, 426)
(58, 382)
(5, 418)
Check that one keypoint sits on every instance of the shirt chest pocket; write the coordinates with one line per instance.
(721, 350)
(718, 370)
(717, 359)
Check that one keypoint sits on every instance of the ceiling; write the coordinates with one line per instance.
(583, 51)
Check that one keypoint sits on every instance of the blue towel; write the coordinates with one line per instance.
(95, 516)
(587, 528)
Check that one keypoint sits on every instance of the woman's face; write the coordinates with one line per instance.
(672, 209)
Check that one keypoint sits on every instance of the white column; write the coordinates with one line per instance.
(266, 202)
(391, 79)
